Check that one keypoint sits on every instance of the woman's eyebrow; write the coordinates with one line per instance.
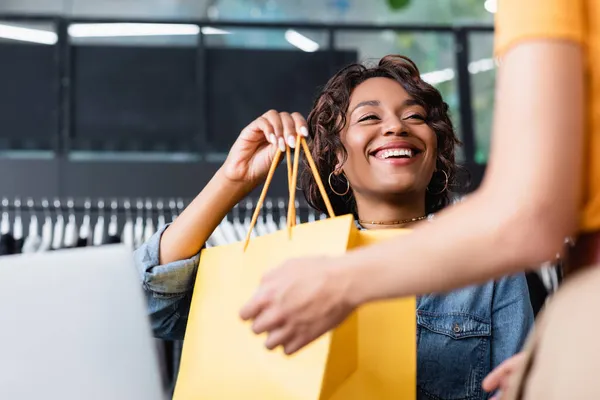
(366, 103)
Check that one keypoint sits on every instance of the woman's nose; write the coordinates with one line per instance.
(395, 127)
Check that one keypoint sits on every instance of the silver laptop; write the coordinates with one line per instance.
(73, 326)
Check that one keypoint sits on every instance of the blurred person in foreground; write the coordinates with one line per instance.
(542, 184)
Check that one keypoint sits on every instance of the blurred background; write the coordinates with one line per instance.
(143, 98)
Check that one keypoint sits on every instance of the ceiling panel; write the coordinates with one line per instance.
(368, 11)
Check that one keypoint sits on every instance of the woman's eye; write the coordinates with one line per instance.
(368, 117)
(416, 116)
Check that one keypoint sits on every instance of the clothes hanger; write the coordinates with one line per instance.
(59, 226)
(18, 223)
(5, 220)
(71, 228)
(149, 227)
(98, 238)
(127, 237)
(85, 230)
(46, 228)
(113, 223)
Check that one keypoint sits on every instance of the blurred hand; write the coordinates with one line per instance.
(252, 153)
(298, 302)
(500, 377)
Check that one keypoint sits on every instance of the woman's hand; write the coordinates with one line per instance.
(248, 163)
(298, 302)
(251, 155)
(500, 377)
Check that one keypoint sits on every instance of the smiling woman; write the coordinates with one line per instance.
(392, 133)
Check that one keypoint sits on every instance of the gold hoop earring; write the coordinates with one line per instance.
(333, 190)
(445, 185)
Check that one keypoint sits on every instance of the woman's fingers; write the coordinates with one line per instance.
(281, 128)
(263, 125)
(289, 129)
(301, 127)
(275, 120)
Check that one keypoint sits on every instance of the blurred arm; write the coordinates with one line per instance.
(528, 201)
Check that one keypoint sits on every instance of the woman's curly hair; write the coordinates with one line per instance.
(328, 118)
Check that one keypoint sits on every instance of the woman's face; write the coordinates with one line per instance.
(391, 150)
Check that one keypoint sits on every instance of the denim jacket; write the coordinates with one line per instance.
(461, 335)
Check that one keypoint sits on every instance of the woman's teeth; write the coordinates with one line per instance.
(403, 153)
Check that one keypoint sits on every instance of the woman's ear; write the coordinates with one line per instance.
(340, 164)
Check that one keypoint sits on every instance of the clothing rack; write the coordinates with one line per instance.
(43, 224)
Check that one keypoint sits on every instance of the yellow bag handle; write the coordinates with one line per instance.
(292, 178)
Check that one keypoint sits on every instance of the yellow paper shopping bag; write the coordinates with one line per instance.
(372, 355)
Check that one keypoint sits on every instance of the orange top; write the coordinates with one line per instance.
(574, 20)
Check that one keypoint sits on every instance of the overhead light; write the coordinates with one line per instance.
(28, 34)
(445, 75)
(491, 6)
(209, 30)
(485, 64)
(436, 77)
(301, 41)
(132, 29)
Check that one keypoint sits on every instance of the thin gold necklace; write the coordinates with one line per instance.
(401, 222)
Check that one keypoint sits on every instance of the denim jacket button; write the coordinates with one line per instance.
(456, 328)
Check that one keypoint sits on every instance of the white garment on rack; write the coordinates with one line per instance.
(138, 232)
(33, 240)
(46, 243)
(71, 232)
(238, 224)
(282, 222)
(161, 221)
(113, 225)
(98, 237)
(228, 231)
(243, 230)
(127, 236)
(148, 229)
(261, 228)
(218, 237)
(59, 231)
(246, 226)
(270, 224)
(85, 229)
(18, 227)
(4, 223)
(31, 244)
